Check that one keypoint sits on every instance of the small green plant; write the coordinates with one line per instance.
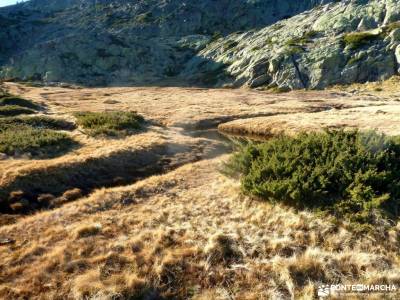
(354, 176)
(21, 139)
(357, 40)
(14, 110)
(114, 123)
(13, 100)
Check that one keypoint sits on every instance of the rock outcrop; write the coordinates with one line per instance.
(338, 43)
(281, 44)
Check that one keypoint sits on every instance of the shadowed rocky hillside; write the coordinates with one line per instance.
(121, 41)
(285, 44)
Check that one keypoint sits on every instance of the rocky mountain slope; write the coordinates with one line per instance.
(338, 43)
(285, 44)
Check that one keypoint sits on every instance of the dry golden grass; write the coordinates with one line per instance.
(186, 234)
(383, 117)
(189, 233)
(190, 108)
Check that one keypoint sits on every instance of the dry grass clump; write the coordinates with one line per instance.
(382, 87)
(222, 248)
(86, 230)
(72, 194)
(90, 285)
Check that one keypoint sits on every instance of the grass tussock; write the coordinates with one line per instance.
(222, 248)
(114, 123)
(352, 175)
(87, 230)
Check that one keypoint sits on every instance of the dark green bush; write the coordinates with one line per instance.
(21, 139)
(12, 100)
(354, 176)
(43, 122)
(109, 123)
(14, 110)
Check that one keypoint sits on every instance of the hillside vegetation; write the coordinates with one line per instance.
(353, 176)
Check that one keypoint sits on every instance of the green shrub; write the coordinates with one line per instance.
(23, 139)
(354, 176)
(109, 123)
(14, 110)
(17, 101)
(356, 40)
(43, 122)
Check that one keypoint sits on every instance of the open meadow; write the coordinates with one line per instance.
(120, 193)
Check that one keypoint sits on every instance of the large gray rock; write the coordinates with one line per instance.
(349, 41)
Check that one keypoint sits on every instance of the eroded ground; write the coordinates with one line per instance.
(187, 232)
